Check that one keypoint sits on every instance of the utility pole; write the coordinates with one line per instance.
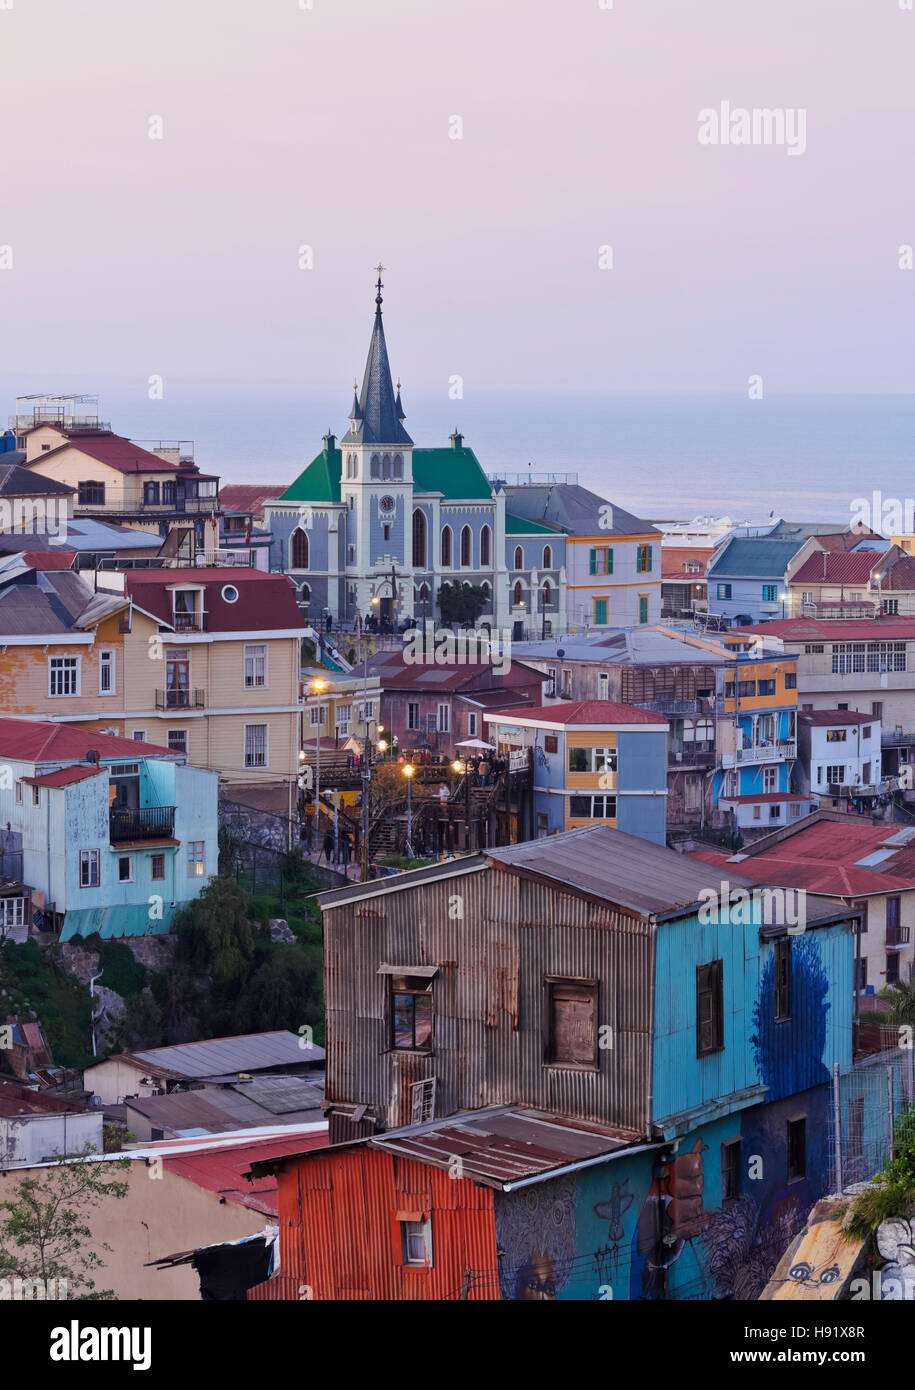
(366, 753)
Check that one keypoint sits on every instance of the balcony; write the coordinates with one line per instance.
(143, 823)
(190, 622)
(672, 706)
(692, 755)
(897, 936)
(180, 699)
(776, 752)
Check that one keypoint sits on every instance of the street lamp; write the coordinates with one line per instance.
(408, 773)
(318, 685)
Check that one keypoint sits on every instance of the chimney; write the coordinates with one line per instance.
(92, 756)
(330, 441)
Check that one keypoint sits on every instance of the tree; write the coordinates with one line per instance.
(285, 992)
(901, 997)
(461, 603)
(44, 1231)
(215, 935)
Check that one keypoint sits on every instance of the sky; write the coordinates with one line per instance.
(328, 124)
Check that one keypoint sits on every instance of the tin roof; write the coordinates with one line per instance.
(835, 716)
(633, 873)
(223, 1169)
(836, 567)
(604, 714)
(249, 1052)
(753, 558)
(504, 1146)
(838, 857)
(34, 740)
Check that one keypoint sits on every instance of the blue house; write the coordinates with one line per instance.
(746, 578)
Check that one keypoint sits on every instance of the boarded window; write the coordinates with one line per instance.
(783, 978)
(551, 743)
(709, 1008)
(797, 1149)
(572, 1018)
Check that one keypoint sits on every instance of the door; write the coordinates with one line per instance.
(177, 680)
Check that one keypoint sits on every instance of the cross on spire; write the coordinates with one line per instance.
(379, 286)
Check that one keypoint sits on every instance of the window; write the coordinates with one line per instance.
(572, 1019)
(375, 466)
(344, 715)
(775, 812)
(472, 725)
(229, 593)
(177, 740)
(518, 595)
(851, 657)
(770, 593)
(643, 559)
(603, 685)
(814, 648)
(151, 494)
(63, 675)
(519, 558)
(195, 860)
(125, 869)
(891, 607)
(643, 608)
(746, 688)
(730, 1170)
(770, 779)
(797, 1149)
(836, 735)
(551, 743)
(835, 773)
(877, 709)
(412, 715)
(255, 745)
(317, 715)
(88, 868)
(601, 560)
(892, 967)
(256, 666)
(422, 1101)
(300, 550)
(600, 612)
(592, 807)
(157, 867)
(782, 969)
(411, 1013)
(36, 795)
(866, 731)
(592, 759)
(709, 1008)
(862, 974)
(547, 557)
(723, 591)
(794, 810)
(485, 547)
(419, 539)
(444, 718)
(446, 547)
(106, 673)
(765, 687)
(466, 559)
(12, 912)
(398, 465)
(791, 680)
(416, 1242)
(18, 793)
(757, 812)
(91, 494)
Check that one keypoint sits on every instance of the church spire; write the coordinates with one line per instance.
(377, 414)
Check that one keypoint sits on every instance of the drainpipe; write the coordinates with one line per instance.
(92, 996)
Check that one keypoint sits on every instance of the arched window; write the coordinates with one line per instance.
(547, 557)
(485, 539)
(419, 539)
(487, 591)
(422, 593)
(446, 547)
(398, 465)
(305, 594)
(518, 596)
(465, 548)
(519, 558)
(299, 550)
(547, 594)
(376, 466)
(386, 466)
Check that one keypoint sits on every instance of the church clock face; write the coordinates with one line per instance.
(387, 504)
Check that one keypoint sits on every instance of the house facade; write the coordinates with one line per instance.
(839, 757)
(116, 835)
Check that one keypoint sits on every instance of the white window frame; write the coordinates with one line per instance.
(472, 724)
(443, 722)
(413, 719)
(89, 858)
(75, 670)
(255, 652)
(129, 859)
(12, 912)
(139, 735)
(770, 775)
(317, 715)
(412, 1235)
(18, 792)
(107, 663)
(266, 759)
(196, 856)
(36, 795)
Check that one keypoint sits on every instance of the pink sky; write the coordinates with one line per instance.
(330, 127)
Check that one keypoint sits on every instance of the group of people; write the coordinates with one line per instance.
(486, 768)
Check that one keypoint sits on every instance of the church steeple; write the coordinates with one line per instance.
(377, 414)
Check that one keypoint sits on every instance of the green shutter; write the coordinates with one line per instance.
(609, 561)
(649, 559)
(600, 612)
(643, 609)
(594, 561)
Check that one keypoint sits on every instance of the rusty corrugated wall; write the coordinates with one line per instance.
(494, 936)
(340, 1235)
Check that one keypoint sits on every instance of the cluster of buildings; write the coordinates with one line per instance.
(548, 1062)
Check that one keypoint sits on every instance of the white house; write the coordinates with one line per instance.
(838, 755)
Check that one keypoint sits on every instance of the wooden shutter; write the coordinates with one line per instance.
(709, 1008)
(572, 1024)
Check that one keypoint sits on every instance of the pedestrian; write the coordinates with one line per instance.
(328, 846)
(345, 851)
(442, 794)
(484, 771)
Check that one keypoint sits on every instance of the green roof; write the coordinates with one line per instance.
(520, 526)
(320, 482)
(455, 473)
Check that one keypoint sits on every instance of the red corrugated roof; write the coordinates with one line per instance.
(21, 1100)
(49, 559)
(837, 567)
(710, 856)
(835, 716)
(36, 740)
(265, 601)
(825, 858)
(249, 497)
(117, 452)
(63, 776)
(222, 1169)
(603, 712)
(877, 629)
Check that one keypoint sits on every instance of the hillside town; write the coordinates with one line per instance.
(449, 884)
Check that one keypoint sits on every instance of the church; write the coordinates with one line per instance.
(377, 525)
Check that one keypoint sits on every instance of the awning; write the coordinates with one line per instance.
(118, 921)
(474, 743)
(425, 972)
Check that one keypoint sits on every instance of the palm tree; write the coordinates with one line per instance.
(901, 997)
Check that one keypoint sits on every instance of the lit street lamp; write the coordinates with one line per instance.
(408, 773)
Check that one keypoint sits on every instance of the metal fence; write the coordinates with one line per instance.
(866, 1103)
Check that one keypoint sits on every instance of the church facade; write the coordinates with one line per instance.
(376, 524)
